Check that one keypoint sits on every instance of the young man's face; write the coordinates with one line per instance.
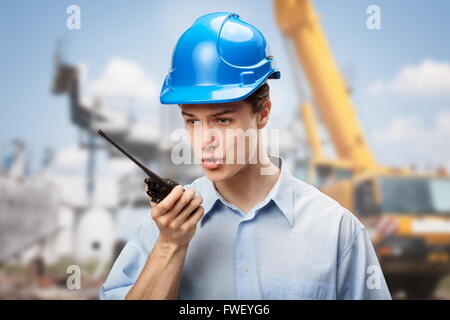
(223, 136)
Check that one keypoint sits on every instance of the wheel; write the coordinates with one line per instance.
(420, 287)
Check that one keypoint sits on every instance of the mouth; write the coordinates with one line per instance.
(212, 163)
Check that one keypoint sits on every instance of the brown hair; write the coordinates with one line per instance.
(257, 98)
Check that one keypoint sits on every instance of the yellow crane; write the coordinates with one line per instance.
(319, 169)
(407, 213)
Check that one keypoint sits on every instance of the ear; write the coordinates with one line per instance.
(264, 114)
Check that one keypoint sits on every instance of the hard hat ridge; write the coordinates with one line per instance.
(220, 58)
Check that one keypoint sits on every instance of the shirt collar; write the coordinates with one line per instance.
(281, 194)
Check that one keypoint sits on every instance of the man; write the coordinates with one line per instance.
(247, 229)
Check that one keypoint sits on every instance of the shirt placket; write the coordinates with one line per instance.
(245, 268)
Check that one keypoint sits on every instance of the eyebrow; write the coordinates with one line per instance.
(212, 114)
(187, 114)
(221, 113)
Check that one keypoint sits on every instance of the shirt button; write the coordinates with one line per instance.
(244, 268)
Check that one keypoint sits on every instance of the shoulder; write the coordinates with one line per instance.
(199, 184)
(306, 195)
(324, 213)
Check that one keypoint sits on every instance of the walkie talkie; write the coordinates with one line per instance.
(157, 187)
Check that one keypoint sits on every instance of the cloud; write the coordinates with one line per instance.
(121, 78)
(120, 167)
(407, 140)
(70, 160)
(427, 78)
(144, 133)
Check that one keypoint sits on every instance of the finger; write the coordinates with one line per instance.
(149, 198)
(169, 201)
(194, 218)
(190, 208)
(185, 199)
(152, 203)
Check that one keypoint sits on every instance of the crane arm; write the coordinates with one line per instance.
(298, 20)
(311, 130)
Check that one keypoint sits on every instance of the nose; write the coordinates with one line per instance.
(209, 139)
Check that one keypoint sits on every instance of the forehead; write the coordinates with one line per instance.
(212, 108)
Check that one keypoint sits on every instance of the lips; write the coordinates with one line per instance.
(211, 163)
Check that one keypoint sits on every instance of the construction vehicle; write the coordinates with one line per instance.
(406, 213)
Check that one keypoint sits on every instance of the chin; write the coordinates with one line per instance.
(215, 175)
(221, 174)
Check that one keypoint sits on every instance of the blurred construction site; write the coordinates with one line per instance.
(363, 109)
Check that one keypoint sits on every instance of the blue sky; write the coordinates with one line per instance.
(403, 125)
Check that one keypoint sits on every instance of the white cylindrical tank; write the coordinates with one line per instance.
(65, 237)
(95, 235)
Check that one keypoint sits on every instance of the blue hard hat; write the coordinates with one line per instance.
(220, 58)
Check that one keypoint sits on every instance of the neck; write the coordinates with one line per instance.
(248, 187)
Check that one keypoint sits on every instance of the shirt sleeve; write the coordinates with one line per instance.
(130, 262)
(359, 275)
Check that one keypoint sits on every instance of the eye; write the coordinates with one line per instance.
(193, 122)
(223, 121)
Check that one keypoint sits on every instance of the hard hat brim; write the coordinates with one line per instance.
(208, 94)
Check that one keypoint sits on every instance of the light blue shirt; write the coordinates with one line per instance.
(296, 244)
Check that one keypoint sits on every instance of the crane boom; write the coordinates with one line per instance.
(298, 20)
(312, 133)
